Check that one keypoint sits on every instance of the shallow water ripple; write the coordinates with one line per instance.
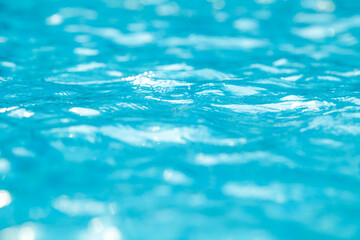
(157, 119)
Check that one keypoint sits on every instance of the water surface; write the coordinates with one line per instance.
(157, 119)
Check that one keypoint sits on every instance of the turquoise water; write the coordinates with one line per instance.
(157, 119)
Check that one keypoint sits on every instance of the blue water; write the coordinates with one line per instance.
(191, 119)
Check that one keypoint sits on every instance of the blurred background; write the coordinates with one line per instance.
(160, 119)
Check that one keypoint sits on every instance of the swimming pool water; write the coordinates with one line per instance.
(160, 119)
